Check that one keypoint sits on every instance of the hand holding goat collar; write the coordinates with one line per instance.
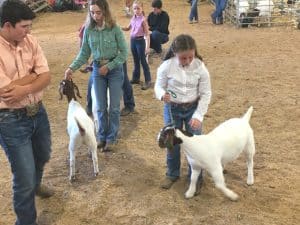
(70, 89)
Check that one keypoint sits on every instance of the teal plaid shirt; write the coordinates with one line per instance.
(108, 43)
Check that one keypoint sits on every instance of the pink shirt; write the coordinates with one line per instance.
(137, 29)
(18, 61)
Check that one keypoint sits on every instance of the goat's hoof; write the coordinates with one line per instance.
(96, 174)
(234, 197)
(189, 194)
(250, 182)
(72, 178)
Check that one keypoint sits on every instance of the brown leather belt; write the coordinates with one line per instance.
(138, 38)
(185, 105)
(30, 110)
(102, 62)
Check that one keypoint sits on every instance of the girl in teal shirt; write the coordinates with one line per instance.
(105, 42)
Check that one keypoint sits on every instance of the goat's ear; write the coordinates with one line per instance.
(77, 90)
(177, 141)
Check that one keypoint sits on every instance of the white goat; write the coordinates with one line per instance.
(265, 8)
(94, 109)
(80, 128)
(241, 6)
(212, 151)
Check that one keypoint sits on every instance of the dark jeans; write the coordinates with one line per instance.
(178, 116)
(194, 10)
(138, 46)
(218, 13)
(128, 97)
(27, 145)
(157, 39)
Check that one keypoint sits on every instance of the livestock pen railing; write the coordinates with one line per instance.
(245, 13)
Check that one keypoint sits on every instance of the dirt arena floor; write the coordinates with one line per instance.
(254, 66)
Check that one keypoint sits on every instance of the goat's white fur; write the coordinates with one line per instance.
(78, 118)
(265, 7)
(94, 108)
(242, 6)
(220, 146)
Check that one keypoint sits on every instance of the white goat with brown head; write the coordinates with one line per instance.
(80, 127)
(212, 151)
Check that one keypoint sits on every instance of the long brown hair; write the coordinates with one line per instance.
(181, 43)
(103, 5)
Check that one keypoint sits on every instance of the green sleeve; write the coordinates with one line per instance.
(122, 49)
(84, 53)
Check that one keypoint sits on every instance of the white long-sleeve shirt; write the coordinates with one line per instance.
(185, 84)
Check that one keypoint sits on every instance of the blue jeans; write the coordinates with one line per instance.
(27, 145)
(109, 122)
(128, 97)
(138, 46)
(218, 13)
(178, 116)
(194, 11)
(157, 39)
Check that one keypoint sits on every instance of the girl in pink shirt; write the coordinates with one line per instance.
(140, 43)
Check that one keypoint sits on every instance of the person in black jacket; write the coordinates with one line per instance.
(158, 21)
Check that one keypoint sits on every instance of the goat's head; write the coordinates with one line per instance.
(166, 137)
(68, 88)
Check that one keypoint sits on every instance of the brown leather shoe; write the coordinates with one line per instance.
(126, 111)
(44, 191)
(167, 183)
(146, 85)
(101, 144)
(135, 81)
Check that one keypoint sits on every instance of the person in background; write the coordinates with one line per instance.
(158, 21)
(193, 17)
(128, 97)
(24, 126)
(104, 40)
(140, 43)
(217, 15)
(128, 4)
(183, 84)
(88, 66)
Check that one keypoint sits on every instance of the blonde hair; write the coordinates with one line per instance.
(139, 3)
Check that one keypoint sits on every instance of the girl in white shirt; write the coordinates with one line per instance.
(183, 83)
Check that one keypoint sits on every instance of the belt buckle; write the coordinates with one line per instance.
(103, 62)
(32, 109)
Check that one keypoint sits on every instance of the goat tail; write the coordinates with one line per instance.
(247, 115)
(80, 127)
